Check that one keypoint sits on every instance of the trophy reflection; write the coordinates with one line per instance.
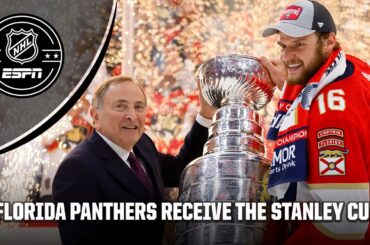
(230, 168)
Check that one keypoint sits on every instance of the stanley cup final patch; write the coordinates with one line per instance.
(291, 13)
(332, 152)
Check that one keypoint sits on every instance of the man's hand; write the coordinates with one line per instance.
(206, 110)
(276, 71)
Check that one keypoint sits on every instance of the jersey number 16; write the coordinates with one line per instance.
(334, 101)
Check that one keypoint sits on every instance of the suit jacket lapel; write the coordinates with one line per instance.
(150, 159)
(118, 168)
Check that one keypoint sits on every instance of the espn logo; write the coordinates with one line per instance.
(21, 73)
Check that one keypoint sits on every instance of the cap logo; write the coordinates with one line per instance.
(320, 24)
(291, 13)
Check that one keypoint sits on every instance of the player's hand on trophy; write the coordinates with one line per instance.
(206, 110)
(276, 71)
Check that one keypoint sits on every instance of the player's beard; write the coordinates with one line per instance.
(310, 69)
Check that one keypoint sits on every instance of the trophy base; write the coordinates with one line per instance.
(197, 233)
(221, 176)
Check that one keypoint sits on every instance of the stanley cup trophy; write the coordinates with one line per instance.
(230, 168)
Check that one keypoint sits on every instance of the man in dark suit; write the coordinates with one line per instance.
(119, 163)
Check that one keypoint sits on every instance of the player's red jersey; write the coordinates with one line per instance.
(339, 155)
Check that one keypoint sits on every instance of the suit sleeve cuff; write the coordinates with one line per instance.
(205, 122)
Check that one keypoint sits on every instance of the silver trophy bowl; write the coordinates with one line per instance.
(233, 164)
(235, 77)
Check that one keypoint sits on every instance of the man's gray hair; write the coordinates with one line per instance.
(99, 94)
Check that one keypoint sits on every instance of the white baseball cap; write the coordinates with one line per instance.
(302, 18)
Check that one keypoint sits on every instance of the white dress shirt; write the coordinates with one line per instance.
(122, 153)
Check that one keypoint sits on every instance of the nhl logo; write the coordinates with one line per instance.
(21, 46)
(31, 55)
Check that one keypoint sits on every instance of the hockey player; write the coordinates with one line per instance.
(322, 123)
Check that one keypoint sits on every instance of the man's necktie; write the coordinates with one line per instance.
(139, 171)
